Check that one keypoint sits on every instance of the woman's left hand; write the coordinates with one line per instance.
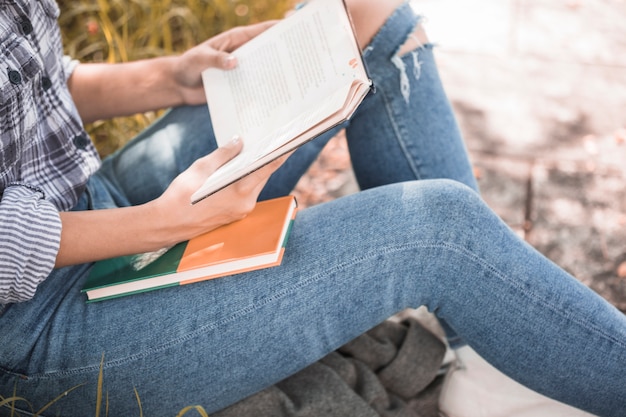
(212, 53)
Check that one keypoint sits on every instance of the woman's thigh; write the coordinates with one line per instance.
(215, 342)
(349, 264)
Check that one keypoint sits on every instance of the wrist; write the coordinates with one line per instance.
(169, 79)
(166, 230)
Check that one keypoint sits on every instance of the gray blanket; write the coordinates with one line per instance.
(390, 371)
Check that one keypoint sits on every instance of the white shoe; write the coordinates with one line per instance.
(474, 388)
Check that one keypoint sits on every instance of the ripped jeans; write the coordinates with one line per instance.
(410, 238)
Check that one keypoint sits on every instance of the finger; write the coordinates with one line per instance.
(234, 38)
(207, 56)
(210, 163)
(230, 150)
(255, 29)
(269, 170)
(255, 181)
(223, 60)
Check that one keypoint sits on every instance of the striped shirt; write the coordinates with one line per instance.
(45, 155)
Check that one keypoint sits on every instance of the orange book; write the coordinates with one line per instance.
(255, 242)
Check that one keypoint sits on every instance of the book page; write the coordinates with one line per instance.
(281, 75)
(293, 82)
(279, 137)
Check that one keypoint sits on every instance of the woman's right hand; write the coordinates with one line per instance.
(180, 220)
(91, 235)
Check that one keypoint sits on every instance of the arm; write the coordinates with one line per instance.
(30, 229)
(35, 237)
(98, 234)
(102, 91)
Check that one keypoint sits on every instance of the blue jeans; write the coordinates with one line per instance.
(415, 236)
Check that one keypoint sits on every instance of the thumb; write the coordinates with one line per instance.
(229, 151)
(211, 162)
(225, 60)
(234, 145)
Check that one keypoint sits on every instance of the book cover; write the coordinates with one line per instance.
(255, 242)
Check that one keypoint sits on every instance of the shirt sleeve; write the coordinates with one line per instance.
(69, 65)
(30, 236)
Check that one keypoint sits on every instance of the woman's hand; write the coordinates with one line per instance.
(213, 53)
(180, 220)
(102, 91)
(91, 235)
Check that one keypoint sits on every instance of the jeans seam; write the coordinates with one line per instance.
(286, 292)
(410, 159)
(529, 294)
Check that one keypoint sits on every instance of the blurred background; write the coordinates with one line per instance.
(538, 86)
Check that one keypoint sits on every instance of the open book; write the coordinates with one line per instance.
(294, 81)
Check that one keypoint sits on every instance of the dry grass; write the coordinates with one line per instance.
(101, 406)
(125, 30)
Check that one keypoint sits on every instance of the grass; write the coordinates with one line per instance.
(102, 400)
(125, 30)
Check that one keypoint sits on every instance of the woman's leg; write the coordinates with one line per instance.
(405, 130)
(430, 243)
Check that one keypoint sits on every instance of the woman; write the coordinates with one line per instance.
(415, 236)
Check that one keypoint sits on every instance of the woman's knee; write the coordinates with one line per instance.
(445, 200)
(369, 15)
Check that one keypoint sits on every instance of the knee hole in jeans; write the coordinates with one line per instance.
(416, 40)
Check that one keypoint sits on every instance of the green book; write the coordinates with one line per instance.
(255, 242)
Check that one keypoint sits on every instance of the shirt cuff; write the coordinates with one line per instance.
(30, 237)
(69, 65)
